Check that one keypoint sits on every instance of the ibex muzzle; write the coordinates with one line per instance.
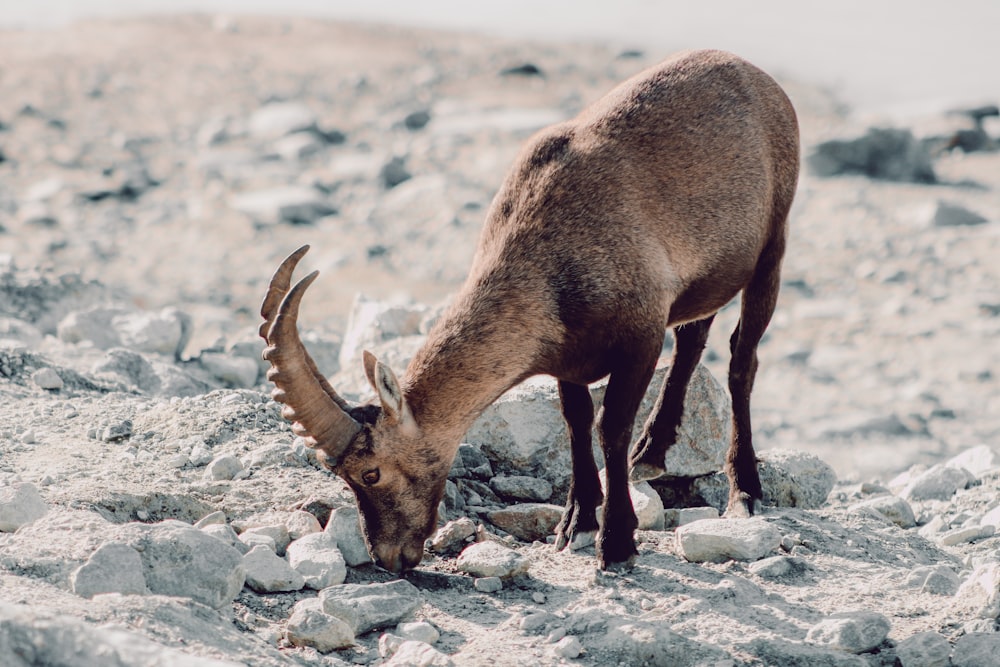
(649, 211)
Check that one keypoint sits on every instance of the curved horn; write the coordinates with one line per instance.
(318, 413)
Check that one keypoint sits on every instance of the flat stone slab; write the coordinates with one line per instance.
(853, 631)
(269, 573)
(113, 568)
(309, 625)
(719, 540)
(367, 607)
(489, 559)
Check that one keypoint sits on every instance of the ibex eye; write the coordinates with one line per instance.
(370, 477)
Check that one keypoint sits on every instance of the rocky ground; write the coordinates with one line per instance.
(156, 510)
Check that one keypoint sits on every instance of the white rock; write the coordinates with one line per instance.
(254, 540)
(686, 515)
(47, 378)
(646, 502)
(227, 535)
(367, 607)
(452, 536)
(233, 371)
(211, 519)
(92, 325)
(184, 561)
(854, 631)
(653, 643)
(156, 333)
(719, 540)
(113, 568)
(568, 647)
(20, 504)
(420, 631)
(959, 535)
(936, 580)
(489, 559)
(301, 523)
(278, 119)
(939, 482)
(977, 460)
(488, 584)
(981, 590)
(269, 573)
(388, 644)
(525, 428)
(317, 559)
(276, 532)
(924, 649)
(372, 322)
(309, 625)
(893, 508)
(224, 467)
(345, 528)
(991, 518)
(418, 654)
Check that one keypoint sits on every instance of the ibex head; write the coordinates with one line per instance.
(377, 449)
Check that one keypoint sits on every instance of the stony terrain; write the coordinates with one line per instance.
(156, 510)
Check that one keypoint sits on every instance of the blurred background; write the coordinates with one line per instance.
(889, 55)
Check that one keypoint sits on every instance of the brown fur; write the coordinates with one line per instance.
(652, 209)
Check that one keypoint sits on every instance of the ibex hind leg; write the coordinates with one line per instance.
(757, 306)
(660, 431)
(627, 385)
(578, 527)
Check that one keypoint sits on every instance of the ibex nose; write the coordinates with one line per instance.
(397, 559)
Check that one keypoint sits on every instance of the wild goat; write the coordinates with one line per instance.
(651, 209)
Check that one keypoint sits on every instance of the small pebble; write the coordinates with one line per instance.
(488, 584)
(28, 437)
(539, 598)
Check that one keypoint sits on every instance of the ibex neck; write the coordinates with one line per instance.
(479, 350)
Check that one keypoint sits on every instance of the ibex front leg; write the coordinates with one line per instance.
(579, 522)
(626, 387)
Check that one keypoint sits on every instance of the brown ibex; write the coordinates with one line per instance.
(651, 209)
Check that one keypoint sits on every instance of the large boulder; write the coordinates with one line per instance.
(524, 431)
(890, 154)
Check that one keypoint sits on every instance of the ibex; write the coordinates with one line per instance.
(651, 209)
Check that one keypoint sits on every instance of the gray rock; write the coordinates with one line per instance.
(777, 567)
(936, 579)
(924, 649)
(470, 462)
(523, 432)
(420, 631)
(893, 508)
(679, 516)
(93, 326)
(317, 559)
(521, 488)
(367, 607)
(309, 625)
(489, 559)
(569, 648)
(232, 371)
(719, 540)
(181, 560)
(132, 368)
(223, 467)
(451, 537)
(279, 119)
(290, 204)
(410, 653)
(266, 572)
(978, 460)
(163, 333)
(394, 172)
(646, 502)
(120, 430)
(950, 214)
(654, 644)
(344, 525)
(30, 636)
(527, 521)
(370, 323)
(788, 479)
(939, 482)
(253, 540)
(227, 535)
(277, 532)
(883, 153)
(854, 631)
(782, 652)
(977, 649)
(488, 584)
(47, 378)
(20, 504)
(113, 568)
(301, 523)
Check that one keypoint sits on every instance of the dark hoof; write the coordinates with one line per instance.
(742, 506)
(616, 553)
(617, 565)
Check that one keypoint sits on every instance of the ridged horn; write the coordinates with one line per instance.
(317, 412)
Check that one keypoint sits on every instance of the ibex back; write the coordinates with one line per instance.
(650, 210)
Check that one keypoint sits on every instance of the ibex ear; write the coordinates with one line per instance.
(385, 384)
